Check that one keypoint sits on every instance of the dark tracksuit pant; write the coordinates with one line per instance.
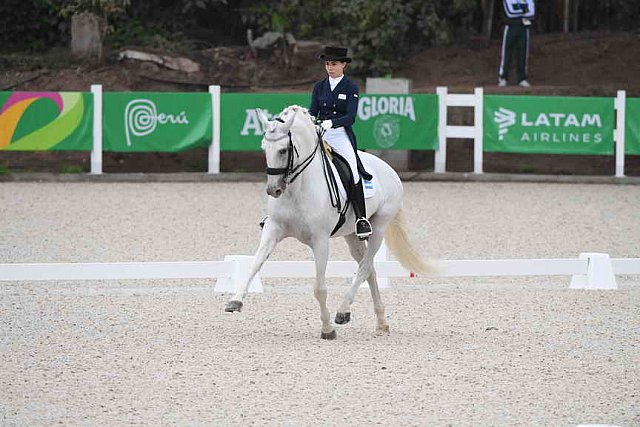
(515, 38)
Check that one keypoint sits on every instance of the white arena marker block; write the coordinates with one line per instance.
(241, 268)
(599, 273)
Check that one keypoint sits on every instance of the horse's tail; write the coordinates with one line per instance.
(398, 242)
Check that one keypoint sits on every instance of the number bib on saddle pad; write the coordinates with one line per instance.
(369, 188)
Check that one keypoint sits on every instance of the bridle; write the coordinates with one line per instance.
(294, 171)
(290, 170)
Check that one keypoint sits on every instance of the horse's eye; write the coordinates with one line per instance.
(282, 151)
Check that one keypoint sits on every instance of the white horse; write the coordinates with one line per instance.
(300, 207)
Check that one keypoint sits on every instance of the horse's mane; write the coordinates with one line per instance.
(284, 115)
(294, 109)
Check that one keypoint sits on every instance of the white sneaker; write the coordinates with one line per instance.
(502, 82)
(524, 83)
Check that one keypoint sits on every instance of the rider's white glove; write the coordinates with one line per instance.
(326, 124)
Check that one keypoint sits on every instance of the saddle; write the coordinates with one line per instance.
(346, 177)
(342, 166)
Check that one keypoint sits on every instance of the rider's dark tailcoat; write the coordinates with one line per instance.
(339, 105)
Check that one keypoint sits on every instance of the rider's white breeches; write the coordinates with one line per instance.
(339, 142)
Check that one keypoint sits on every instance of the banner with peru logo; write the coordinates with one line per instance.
(156, 121)
(548, 125)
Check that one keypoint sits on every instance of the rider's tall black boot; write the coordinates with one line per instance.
(363, 226)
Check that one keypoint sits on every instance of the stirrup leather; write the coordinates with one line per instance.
(363, 228)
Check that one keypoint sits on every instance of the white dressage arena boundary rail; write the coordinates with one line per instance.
(589, 271)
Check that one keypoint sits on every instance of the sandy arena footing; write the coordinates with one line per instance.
(503, 351)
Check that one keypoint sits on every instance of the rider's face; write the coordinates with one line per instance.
(335, 69)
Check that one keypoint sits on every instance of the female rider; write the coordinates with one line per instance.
(335, 102)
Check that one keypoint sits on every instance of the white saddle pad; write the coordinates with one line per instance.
(368, 186)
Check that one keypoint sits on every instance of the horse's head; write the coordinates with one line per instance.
(281, 148)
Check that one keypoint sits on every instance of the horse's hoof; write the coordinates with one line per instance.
(382, 330)
(233, 305)
(342, 318)
(329, 336)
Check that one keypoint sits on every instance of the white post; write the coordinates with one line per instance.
(214, 148)
(96, 151)
(440, 162)
(620, 106)
(599, 273)
(241, 267)
(478, 130)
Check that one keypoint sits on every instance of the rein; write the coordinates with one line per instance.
(295, 171)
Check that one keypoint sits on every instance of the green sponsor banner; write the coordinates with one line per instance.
(241, 129)
(632, 131)
(156, 121)
(41, 121)
(397, 122)
(548, 125)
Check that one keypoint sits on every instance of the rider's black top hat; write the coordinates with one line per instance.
(331, 53)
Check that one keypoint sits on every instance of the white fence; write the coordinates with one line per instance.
(445, 100)
(589, 271)
(475, 132)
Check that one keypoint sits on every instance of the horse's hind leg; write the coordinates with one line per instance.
(364, 255)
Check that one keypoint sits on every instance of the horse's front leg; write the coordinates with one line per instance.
(272, 234)
(321, 256)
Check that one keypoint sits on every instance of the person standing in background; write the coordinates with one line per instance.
(516, 36)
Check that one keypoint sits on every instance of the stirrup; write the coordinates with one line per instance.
(363, 228)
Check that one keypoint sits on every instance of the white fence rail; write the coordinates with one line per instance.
(590, 271)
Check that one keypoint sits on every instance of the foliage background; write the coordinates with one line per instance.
(380, 32)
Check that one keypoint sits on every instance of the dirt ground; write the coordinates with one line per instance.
(583, 64)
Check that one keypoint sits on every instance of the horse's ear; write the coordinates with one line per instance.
(290, 119)
(263, 118)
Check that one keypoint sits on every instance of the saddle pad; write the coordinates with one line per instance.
(369, 187)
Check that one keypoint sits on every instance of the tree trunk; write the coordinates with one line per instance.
(488, 6)
(575, 20)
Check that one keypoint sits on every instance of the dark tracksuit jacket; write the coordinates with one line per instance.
(518, 15)
(341, 107)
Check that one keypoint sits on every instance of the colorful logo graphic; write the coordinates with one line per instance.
(70, 107)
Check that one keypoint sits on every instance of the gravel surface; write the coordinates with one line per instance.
(491, 351)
